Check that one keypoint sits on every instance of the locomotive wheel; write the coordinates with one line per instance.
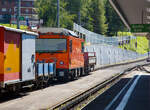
(87, 70)
(93, 67)
(66, 78)
(60, 79)
(15, 89)
(82, 71)
(63, 79)
(72, 77)
(39, 84)
(79, 72)
(73, 74)
(76, 74)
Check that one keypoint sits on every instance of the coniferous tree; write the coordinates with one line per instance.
(86, 18)
(113, 20)
(98, 15)
(95, 15)
(74, 7)
(47, 10)
(80, 9)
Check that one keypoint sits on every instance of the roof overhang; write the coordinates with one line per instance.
(19, 30)
(132, 11)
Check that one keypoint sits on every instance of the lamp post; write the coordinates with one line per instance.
(18, 13)
(58, 10)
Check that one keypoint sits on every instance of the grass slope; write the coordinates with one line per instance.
(142, 45)
(23, 27)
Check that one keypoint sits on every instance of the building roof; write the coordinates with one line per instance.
(63, 31)
(19, 30)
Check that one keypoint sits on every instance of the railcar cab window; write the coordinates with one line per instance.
(51, 45)
(70, 46)
(82, 47)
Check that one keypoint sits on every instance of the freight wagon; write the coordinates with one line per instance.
(17, 56)
(89, 61)
(63, 47)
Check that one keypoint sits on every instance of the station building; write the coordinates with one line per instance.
(8, 10)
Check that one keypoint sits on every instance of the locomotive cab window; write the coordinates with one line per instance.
(51, 45)
(70, 45)
(82, 47)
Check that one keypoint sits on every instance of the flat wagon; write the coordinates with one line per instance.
(89, 61)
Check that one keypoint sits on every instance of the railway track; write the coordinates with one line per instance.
(80, 100)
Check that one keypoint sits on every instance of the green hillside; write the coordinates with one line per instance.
(142, 45)
(23, 27)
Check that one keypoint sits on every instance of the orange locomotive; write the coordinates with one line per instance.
(63, 47)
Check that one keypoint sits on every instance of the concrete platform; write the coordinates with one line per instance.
(130, 93)
(48, 97)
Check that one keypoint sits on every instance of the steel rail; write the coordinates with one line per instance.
(75, 100)
(78, 98)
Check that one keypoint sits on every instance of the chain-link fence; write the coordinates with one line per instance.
(106, 48)
(93, 38)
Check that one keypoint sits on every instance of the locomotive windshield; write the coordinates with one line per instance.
(51, 45)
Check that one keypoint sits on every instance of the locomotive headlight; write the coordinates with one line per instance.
(61, 62)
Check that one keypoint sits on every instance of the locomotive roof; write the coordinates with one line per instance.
(62, 31)
(19, 30)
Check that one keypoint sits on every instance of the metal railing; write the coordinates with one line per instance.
(107, 48)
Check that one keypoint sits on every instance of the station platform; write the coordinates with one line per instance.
(56, 93)
(132, 93)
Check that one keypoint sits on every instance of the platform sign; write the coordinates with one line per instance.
(136, 28)
(21, 18)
